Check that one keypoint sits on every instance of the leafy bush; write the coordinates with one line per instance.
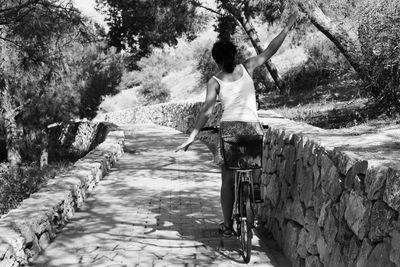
(324, 62)
(103, 69)
(153, 92)
(152, 69)
(379, 35)
(19, 184)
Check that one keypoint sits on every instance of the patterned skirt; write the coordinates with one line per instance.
(241, 144)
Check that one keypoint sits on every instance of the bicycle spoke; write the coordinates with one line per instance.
(245, 221)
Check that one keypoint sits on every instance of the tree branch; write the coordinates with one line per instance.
(195, 3)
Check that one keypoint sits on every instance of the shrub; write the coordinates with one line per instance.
(324, 61)
(153, 92)
(19, 184)
(379, 35)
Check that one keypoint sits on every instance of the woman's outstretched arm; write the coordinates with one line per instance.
(204, 115)
(272, 48)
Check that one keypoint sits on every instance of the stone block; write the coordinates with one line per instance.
(298, 181)
(375, 180)
(272, 190)
(323, 250)
(344, 233)
(359, 168)
(314, 232)
(358, 210)
(300, 148)
(337, 258)
(307, 188)
(392, 189)
(351, 250)
(379, 256)
(330, 180)
(313, 261)
(270, 167)
(330, 229)
(318, 199)
(365, 250)
(394, 254)
(306, 152)
(281, 168)
(323, 213)
(316, 175)
(344, 162)
(284, 191)
(301, 246)
(294, 210)
(289, 166)
(382, 218)
(290, 241)
(277, 232)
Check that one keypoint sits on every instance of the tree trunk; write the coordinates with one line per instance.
(248, 27)
(337, 34)
(9, 114)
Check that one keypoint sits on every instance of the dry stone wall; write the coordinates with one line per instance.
(27, 230)
(331, 198)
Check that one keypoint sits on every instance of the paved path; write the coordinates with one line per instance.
(155, 208)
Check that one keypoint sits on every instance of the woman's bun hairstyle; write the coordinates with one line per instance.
(224, 53)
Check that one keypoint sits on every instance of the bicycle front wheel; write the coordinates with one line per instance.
(245, 221)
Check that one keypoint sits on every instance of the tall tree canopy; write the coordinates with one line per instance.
(137, 25)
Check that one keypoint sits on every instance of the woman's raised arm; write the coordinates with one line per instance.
(272, 48)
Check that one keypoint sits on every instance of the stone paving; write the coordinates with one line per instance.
(155, 208)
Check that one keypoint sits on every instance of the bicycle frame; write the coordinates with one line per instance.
(242, 176)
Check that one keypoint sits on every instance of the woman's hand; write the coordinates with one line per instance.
(185, 145)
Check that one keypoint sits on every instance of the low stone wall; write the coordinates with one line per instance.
(332, 197)
(27, 230)
(180, 116)
(330, 200)
(74, 140)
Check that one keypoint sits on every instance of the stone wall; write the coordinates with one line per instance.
(74, 140)
(180, 116)
(331, 197)
(27, 230)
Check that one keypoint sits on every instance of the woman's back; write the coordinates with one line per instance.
(238, 98)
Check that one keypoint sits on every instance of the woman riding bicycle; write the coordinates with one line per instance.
(235, 87)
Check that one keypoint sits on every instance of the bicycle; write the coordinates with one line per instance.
(243, 210)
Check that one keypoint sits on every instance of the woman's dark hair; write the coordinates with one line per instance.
(224, 52)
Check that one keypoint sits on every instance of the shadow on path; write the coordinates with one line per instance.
(155, 208)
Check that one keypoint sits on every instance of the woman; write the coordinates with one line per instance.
(235, 87)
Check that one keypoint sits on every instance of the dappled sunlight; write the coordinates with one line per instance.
(155, 206)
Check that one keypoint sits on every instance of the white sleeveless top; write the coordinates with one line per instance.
(238, 99)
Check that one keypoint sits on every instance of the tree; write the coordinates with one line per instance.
(136, 26)
(373, 52)
(33, 38)
(103, 69)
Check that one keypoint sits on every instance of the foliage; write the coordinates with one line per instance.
(324, 62)
(152, 69)
(137, 26)
(379, 35)
(26, 180)
(153, 92)
(103, 69)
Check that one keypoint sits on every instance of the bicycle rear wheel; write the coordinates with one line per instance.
(245, 221)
